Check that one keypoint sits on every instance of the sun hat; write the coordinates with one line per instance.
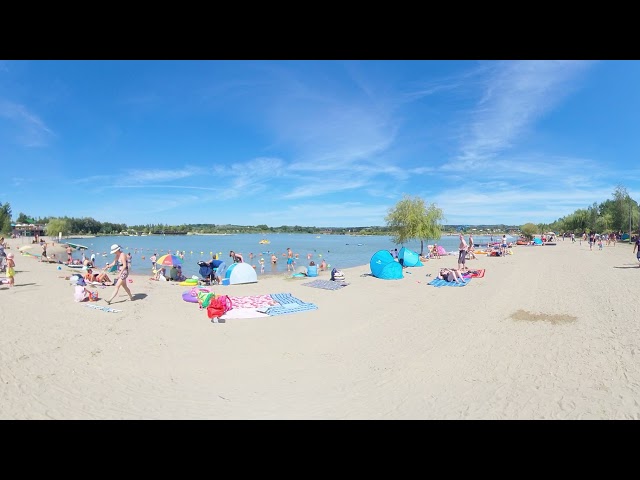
(115, 247)
(9, 255)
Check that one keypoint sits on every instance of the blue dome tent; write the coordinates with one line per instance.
(384, 266)
(239, 273)
(409, 258)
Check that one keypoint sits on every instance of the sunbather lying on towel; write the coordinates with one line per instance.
(451, 275)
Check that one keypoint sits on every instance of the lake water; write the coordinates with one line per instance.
(340, 251)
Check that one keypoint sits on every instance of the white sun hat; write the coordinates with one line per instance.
(115, 247)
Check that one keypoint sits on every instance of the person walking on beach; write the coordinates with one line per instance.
(69, 255)
(636, 249)
(43, 257)
(124, 271)
(153, 259)
(462, 253)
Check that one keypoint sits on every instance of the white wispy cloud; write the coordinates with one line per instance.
(516, 94)
(156, 175)
(31, 130)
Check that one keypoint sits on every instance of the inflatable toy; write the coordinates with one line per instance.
(191, 295)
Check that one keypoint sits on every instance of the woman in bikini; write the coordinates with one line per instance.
(124, 271)
(451, 275)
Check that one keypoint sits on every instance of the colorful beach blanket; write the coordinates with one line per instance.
(287, 304)
(252, 301)
(438, 282)
(326, 284)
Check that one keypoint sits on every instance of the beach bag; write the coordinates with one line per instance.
(337, 275)
(218, 306)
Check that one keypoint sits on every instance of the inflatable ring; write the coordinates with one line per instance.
(191, 295)
(189, 282)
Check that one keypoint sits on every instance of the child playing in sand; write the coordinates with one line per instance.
(11, 273)
(82, 293)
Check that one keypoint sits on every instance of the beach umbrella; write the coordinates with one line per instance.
(169, 260)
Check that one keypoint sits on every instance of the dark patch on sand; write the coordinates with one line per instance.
(543, 317)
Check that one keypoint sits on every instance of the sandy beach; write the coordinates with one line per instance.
(549, 333)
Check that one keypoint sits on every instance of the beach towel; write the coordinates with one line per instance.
(101, 307)
(438, 282)
(252, 301)
(287, 304)
(243, 313)
(326, 284)
(479, 273)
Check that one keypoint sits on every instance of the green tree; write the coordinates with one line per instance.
(411, 219)
(529, 230)
(57, 225)
(22, 218)
(5, 218)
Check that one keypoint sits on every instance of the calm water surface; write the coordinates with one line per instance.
(340, 251)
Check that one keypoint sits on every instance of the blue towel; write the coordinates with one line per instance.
(288, 304)
(438, 282)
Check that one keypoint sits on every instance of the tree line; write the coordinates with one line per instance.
(410, 219)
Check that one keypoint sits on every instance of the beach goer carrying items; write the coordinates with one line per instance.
(124, 271)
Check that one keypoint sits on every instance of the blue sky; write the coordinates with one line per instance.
(322, 143)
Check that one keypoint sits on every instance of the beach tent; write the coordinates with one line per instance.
(384, 266)
(625, 236)
(409, 258)
(240, 273)
(537, 241)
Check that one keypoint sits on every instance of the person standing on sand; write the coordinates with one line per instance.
(462, 253)
(43, 257)
(636, 248)
(124, 271)
(11, 272)
(472, 255)
(69, 255)
(153, 259)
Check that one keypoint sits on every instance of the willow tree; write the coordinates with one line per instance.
(411, 219)
(57, 226)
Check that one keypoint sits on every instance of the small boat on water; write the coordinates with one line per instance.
(77, 246)
(264, 241)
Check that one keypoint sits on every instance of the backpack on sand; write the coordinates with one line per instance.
(218, 306)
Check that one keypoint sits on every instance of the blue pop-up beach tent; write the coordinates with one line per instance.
(384, 266)
(537, 241)
(409, 258)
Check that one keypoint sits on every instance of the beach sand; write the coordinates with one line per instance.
(549, 333)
